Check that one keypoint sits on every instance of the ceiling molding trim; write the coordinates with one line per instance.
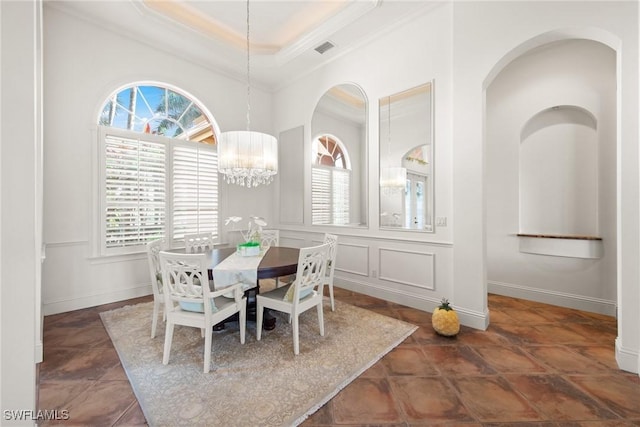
(350, 14)
(182, 14)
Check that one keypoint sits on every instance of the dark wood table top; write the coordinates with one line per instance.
(278, 261)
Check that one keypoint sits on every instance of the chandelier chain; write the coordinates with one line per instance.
(248, 72)
(389, 129)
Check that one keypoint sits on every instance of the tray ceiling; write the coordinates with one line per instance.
(284, 34)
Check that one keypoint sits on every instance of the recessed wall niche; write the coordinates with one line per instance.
(559, 173)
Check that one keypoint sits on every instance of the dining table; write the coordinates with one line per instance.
(277, 261)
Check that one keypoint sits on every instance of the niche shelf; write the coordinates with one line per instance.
(589, 247)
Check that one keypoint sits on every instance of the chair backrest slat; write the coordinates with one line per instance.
(185, 277)
(155, 272)
(269, 238)
(312, 265)
(332, 241)
(199, 242)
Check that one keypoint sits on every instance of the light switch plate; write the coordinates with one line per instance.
(441, 221)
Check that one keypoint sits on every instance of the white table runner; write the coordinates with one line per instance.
(237, 268)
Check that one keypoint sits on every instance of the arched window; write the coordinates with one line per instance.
(331, 180)
(159, 168)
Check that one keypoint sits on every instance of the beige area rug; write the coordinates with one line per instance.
(260, 383)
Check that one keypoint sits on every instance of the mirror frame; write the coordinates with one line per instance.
(363, 199)
(431, 183)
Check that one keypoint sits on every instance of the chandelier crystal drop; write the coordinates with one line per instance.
(248, 158)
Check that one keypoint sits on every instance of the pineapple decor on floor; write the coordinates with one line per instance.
(445, 320)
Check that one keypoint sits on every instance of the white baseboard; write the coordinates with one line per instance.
(94, 300)
(39, 351)
(628, 360)
(578, 302)
(468, 318)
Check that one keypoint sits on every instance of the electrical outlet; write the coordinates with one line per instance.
(441, 221)
(374, 273)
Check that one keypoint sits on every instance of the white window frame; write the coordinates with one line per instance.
(102, 133)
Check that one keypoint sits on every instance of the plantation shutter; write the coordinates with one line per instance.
(340, 205)
(135, 191)
(195, 189)
(330, 195)
(321, 196)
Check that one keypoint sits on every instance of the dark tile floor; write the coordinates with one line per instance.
(536, 365)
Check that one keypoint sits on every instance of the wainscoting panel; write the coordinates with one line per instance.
(353, 258)
(72, 279)
(406, 267)
(292, 242)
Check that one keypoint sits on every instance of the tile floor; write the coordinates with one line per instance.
(536, 365)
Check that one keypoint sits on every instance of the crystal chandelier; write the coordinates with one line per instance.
(248, 158)
(393, 178)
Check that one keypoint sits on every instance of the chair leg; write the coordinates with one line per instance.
(168, 337)
(207, 347)
(321, 319)
(296, 340)
(154, 320)
(243, 323)
(259, 310)
(333, 307)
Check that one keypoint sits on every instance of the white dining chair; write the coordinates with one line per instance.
(332, 241)
(303, 294)
(188, 303)
(200, 242)
(269, 238)
(155, 274)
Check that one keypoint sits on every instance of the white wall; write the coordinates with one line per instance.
(491, 35)
(407, 267)
(20, 327)
(463, 45)
(84, 64)
(559, 177)
(578, 73)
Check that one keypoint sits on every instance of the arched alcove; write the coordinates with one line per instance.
(558, 173)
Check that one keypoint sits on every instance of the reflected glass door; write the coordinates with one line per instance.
(415, 201)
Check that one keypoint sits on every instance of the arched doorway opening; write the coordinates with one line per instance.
(551, 113)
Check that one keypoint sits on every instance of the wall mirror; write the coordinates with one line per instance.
(406, 159)
(338, 158)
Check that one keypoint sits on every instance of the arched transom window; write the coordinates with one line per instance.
(159, 111)
(329, 152)
(159, 176)
(331, 181)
